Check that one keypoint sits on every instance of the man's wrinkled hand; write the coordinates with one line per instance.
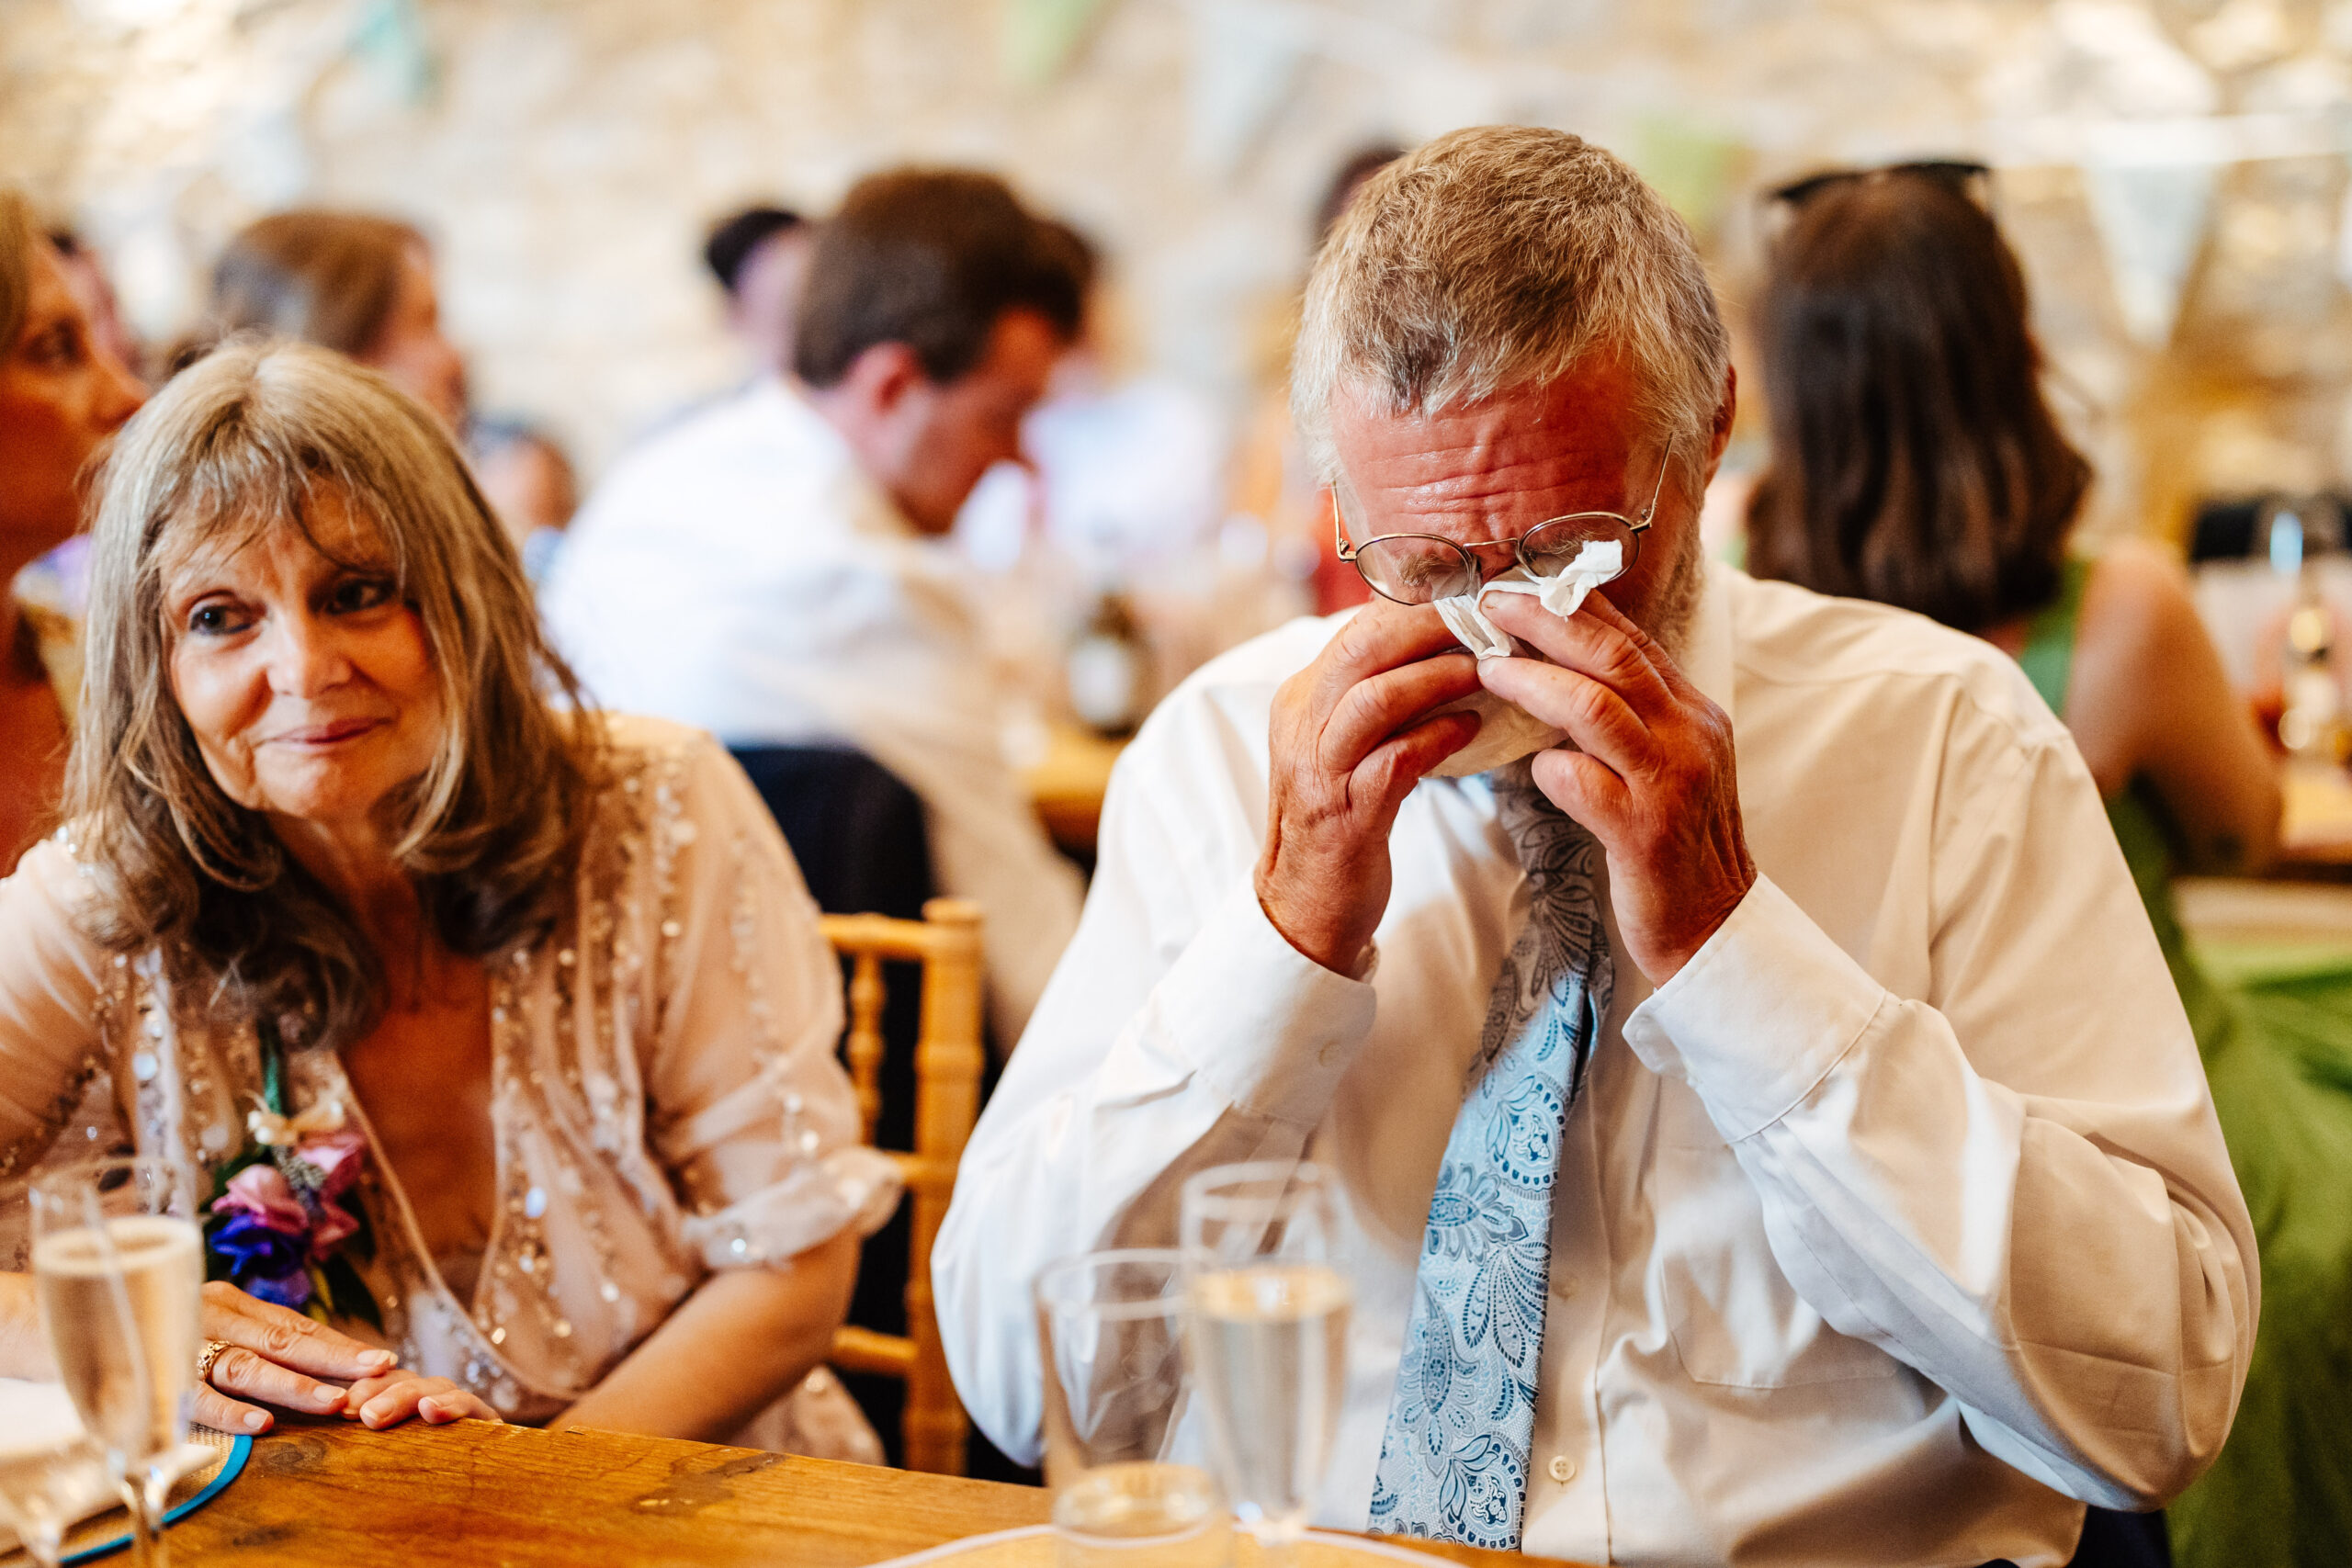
(1350, 737)
(1653, 777)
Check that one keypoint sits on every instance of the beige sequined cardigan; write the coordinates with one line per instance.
(665, 1093)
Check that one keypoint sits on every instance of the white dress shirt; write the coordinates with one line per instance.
(1893, 1224)
(741, 572)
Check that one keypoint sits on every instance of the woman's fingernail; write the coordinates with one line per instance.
(325, 1397)
(256, 1420)
(429, 1409)
(378, 1360)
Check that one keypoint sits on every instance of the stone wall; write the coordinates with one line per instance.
(567, 154)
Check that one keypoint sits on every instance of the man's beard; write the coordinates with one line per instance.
(1667, 617)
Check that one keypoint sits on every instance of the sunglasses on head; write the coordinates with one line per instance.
(1967, 177)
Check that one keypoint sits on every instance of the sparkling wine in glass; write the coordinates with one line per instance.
(119, 1268)
(1267, 1330)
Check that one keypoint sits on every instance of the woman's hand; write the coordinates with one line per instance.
(388, 1400)
(276, 1356)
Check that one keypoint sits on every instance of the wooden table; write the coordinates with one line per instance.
(1067, 784)
(324, 1494)
(2315, 821)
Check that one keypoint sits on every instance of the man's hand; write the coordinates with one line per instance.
(1349, 741)
(1654, 781)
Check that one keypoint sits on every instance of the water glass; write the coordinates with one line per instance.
(1268, 1328)
(119, 1268)
(1110, 1326)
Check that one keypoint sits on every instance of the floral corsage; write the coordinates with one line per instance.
(285, 1224)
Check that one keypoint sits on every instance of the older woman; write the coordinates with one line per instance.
(1916, 462)
(62, 395)
(506, 1030)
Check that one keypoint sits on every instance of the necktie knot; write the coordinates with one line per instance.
(1555, 849)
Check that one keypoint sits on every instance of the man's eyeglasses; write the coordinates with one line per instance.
(1419, 568)
(1973, 180)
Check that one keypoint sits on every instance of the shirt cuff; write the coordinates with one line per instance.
(1261, 1023)
(1759, 1016)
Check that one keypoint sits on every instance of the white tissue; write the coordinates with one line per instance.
(1505, 731)
(1601, 560)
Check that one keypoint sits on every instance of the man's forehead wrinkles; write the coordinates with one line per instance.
(1441, 479)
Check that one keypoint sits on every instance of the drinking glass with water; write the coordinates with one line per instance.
(1268, 1328)
(1110, 1328)
(118, 1270)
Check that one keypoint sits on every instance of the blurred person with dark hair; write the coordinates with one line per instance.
(360, 285)
(760, 257)
(1348, 179)
(770, 570)
(62, 395)
(1917, 463)
(363, 285)
(1120, 495)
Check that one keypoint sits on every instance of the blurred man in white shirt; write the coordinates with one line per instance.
(1801, 1163)
(770, 570)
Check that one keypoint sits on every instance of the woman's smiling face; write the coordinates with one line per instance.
(307, 680)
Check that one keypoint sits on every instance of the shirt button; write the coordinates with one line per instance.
(1564, 1469)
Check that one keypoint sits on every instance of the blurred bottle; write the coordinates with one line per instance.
(1108, 668)
(2311, 722)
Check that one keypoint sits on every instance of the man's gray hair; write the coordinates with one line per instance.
(1499, 256)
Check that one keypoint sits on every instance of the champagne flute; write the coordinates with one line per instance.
(1267, 1327)
(118, 1267)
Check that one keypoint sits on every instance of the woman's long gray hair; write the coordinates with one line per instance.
(236, 447)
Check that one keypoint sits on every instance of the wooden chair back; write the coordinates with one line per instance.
(948, 1060)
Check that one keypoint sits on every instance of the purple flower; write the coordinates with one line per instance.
(279, 1215)
(264, 1260)
(262, 1194)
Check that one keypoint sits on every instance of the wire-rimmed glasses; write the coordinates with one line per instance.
(1420, 568)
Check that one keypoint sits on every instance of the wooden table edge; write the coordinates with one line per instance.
(655, 1499)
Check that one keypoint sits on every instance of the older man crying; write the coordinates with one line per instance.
(1770, 1135)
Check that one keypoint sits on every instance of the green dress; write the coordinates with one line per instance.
(2274, 1030)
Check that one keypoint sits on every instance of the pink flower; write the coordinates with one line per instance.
(262, 1192)
(335, 1223)
(338, 1155)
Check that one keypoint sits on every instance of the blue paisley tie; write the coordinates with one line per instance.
(1453, 1460)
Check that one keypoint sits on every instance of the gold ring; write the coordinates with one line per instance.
(211, 1353)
